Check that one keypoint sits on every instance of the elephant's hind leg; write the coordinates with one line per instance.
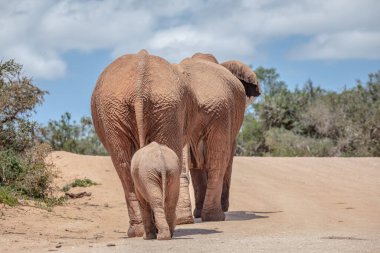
(164, 232)
(183, 212)
(147, 217)
(199, 180)
(121, 154)
(218, 156)
(155, 201)
(227, 182)
(171, 199)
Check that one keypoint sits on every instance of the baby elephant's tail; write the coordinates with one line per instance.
(163, 178)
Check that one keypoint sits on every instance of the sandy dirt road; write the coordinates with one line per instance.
(277, 205)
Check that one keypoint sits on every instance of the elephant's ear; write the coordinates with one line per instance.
(206, 57)
(246, 76)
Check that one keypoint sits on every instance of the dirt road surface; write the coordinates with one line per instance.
(276, 205)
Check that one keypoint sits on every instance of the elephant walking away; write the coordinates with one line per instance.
(138, 99)
(155, 171)
(141, 98)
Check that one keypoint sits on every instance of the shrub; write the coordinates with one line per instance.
(27, 174)
(70, 136)
(311, 121)
(36, 179)
(8, 197)
(283, 142)
(11, 166)
(79, 183)
(24, 170)
(250, 140)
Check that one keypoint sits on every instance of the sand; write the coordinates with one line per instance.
(276, 205)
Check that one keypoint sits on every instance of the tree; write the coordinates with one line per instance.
(71, 136)
(269, 81)
(312, 121)
(250, 140)
(18, 98)
(23, 168)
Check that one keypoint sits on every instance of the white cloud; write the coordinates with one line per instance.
(38, 64)
(180, 42)
(345, 45)
(37, 33)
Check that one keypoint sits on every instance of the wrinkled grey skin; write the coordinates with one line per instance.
(155, 172)
(141, 98)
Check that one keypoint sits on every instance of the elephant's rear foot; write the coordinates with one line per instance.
(225, 205)
(185, 219)
(183, 210)
(136, 230)
(164, 235)
(197, 213)
(213, 215)
(150, 236)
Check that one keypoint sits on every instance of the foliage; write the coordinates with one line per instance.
(27, 174)
(282, 142)
(18, 98)
(24, 171)
(70, 136)
(79, 183)
(251, 139)
(7, 196)
(50, 202)
(311, 121)
(37, 175)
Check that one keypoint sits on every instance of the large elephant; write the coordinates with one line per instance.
(156, 172)
(221, 98)
(141, 98)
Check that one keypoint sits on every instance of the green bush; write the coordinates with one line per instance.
(24, 170)
(311, 121)
(38, 175)
(71, 136)
(250, 140)
(50, 202)
(27, 174)
(282, 142)
(7, 196)
(11, 166)
(79, 183)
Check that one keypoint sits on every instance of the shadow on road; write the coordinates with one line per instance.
(246, 215)
(194, 231)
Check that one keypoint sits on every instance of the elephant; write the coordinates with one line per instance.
(226, 117)
(141, 98)
(156, 173)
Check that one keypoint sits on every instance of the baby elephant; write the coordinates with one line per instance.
(156, 172)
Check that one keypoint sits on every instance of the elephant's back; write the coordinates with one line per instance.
(118, 79)
(121, 78)
(142, 81)
(156, 157)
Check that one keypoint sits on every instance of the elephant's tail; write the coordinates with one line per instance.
(163, 178)
(139, 99)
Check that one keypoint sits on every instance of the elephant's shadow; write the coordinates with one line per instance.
(247, 215)
(243, 215)
(180, 232)
(230, 216)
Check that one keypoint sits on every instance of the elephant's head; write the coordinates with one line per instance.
(246, 76)
(244, 73)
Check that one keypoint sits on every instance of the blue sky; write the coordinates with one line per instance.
(64, 45)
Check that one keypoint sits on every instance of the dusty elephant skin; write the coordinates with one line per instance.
(141, 98)
(221, 98)
(155, 171)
